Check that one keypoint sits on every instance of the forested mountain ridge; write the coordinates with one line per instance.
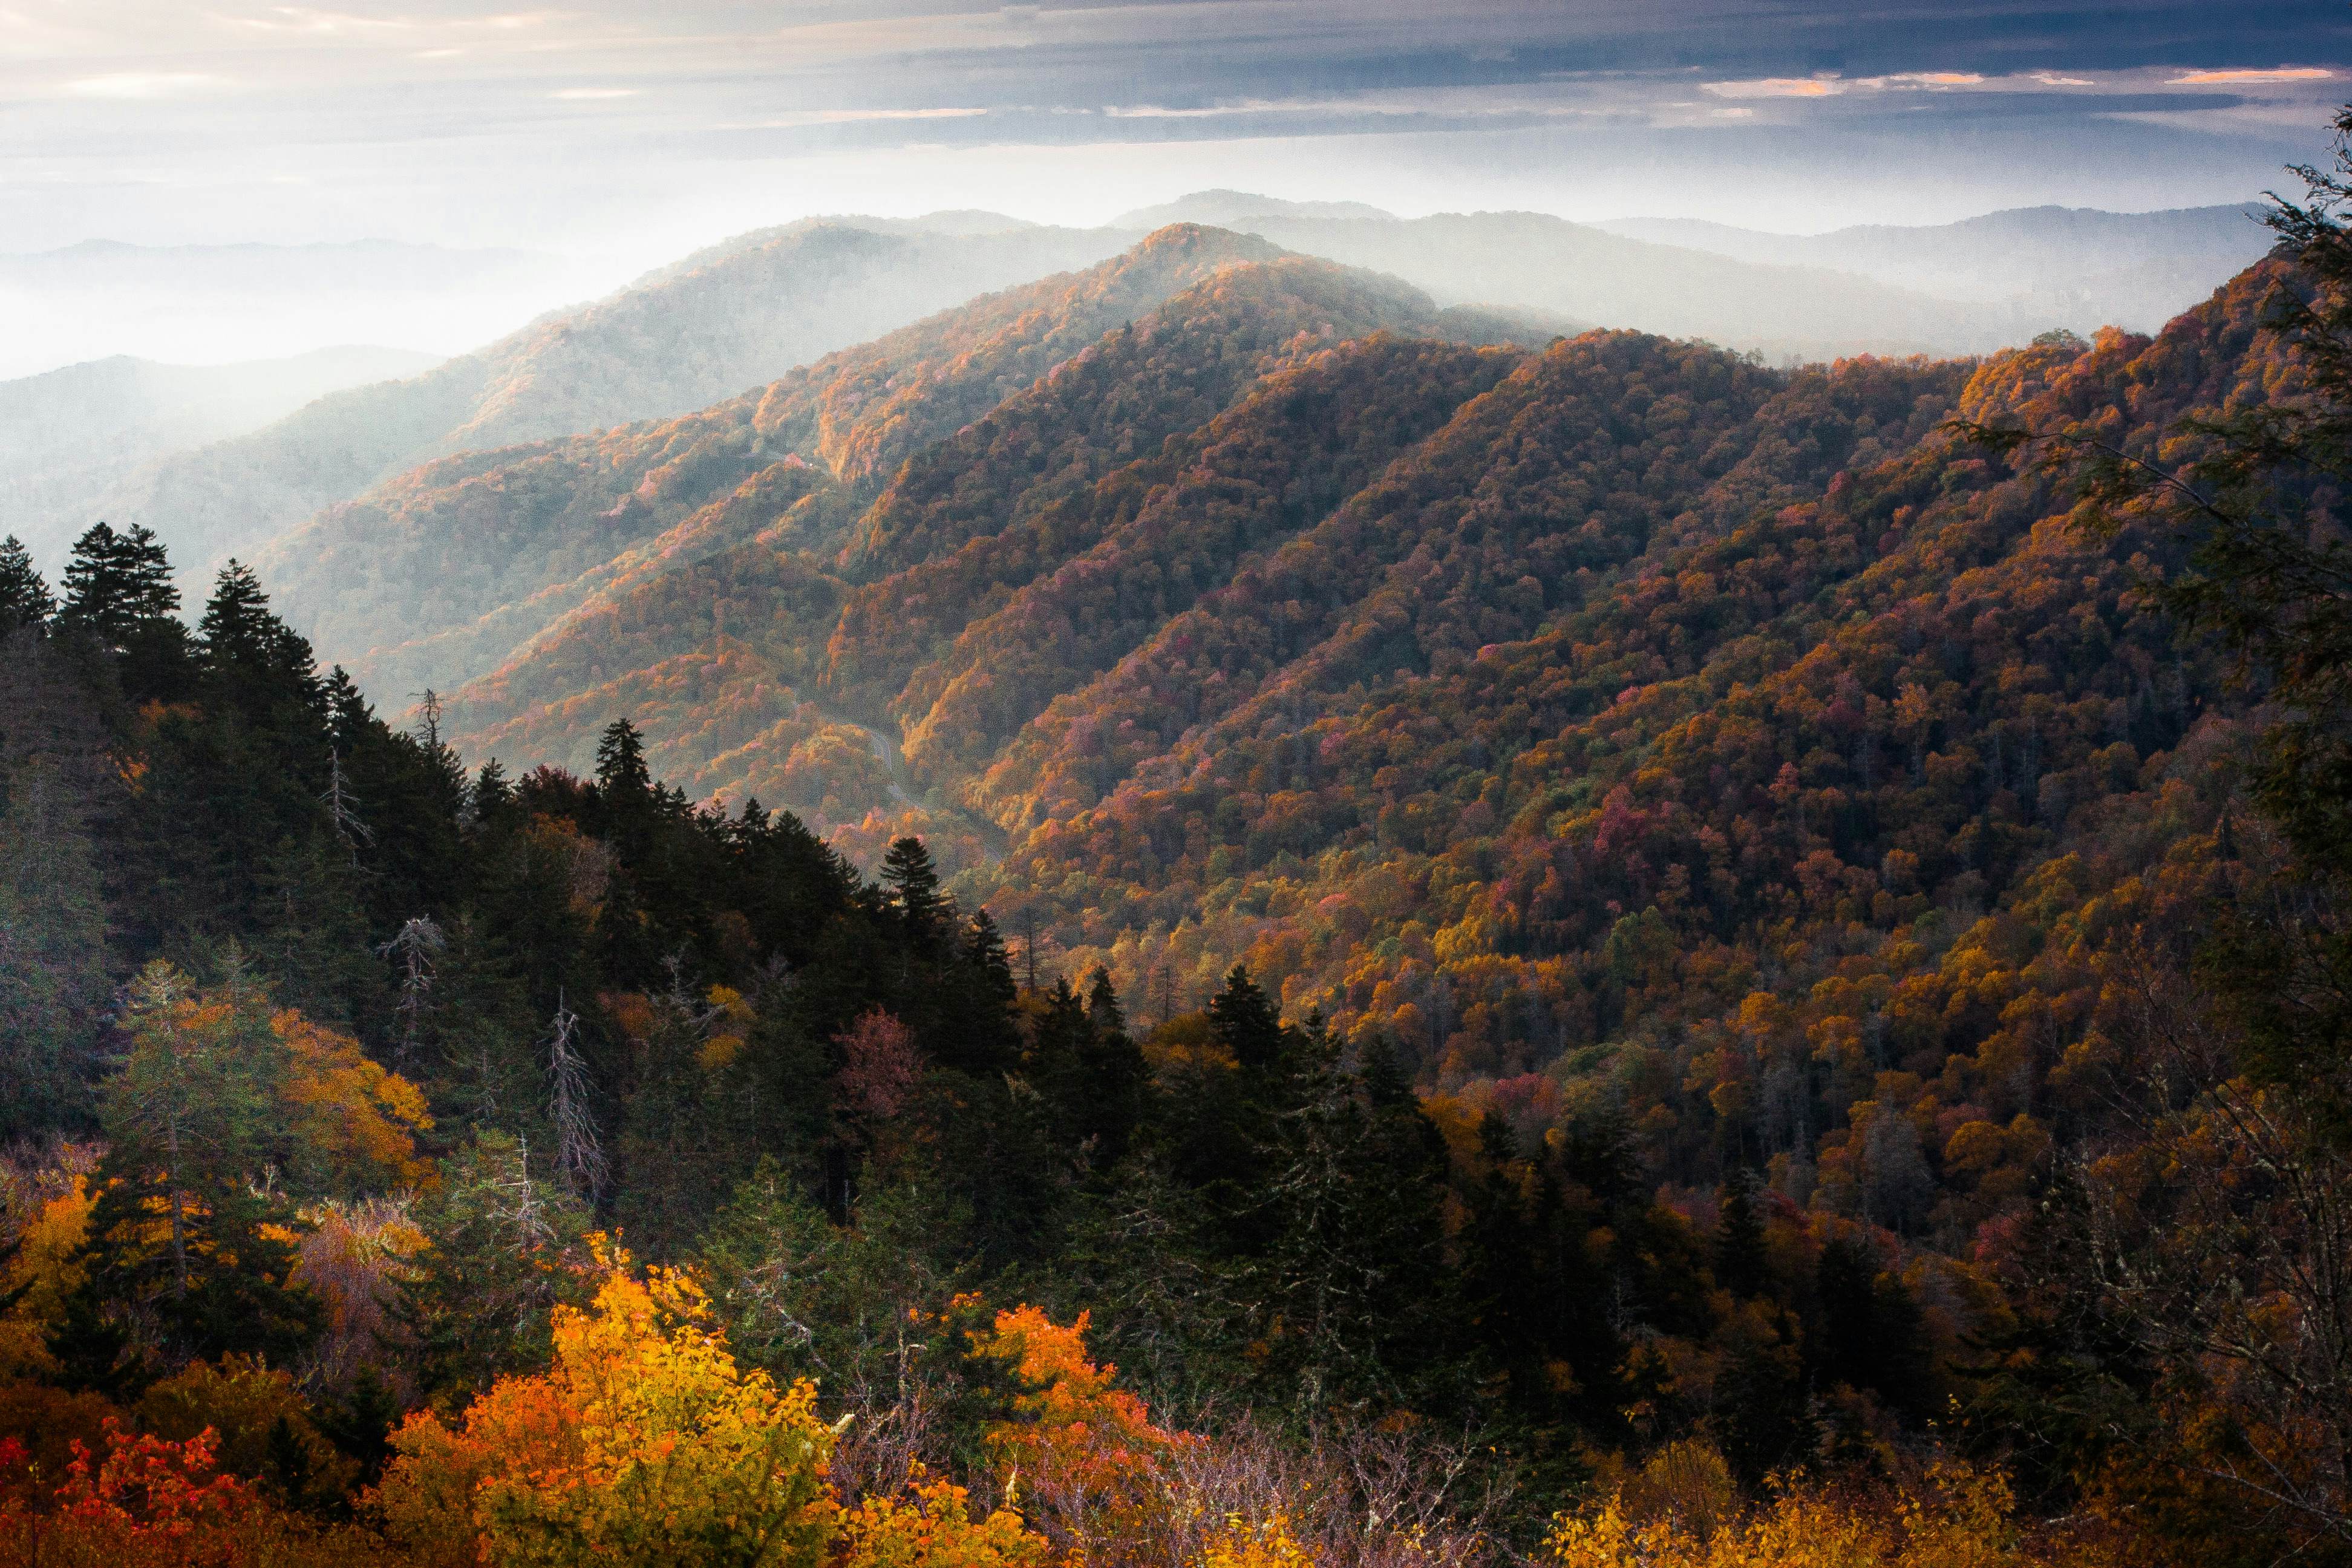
(1090, 606)
(676, 342)
(374, 575)
(1784, 310)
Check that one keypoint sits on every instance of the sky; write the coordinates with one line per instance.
(618, 136)
(648, 127)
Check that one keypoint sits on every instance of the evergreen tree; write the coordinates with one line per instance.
(25, 597)
(508, 1249)
(1739, 1254)
(58, 787)
(118, 584)
(1871, 1333)
(1246, 1022)
(913, 881)
(1113, 1076)
(621, 771)
(254, 661)
(180, 1227)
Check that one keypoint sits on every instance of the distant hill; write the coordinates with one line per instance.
(68, 435)
(741, 313)
(1965, 288)
(2083, 267)
(793, 555)
(1225, 210)
(1533, 261)
(684, 339)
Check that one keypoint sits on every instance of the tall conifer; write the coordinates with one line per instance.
(25, 597)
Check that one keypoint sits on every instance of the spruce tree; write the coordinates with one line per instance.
(254, 662)
(1246, 1022)
(119, 584)
(1117, 1080)
(25, 597)
(621, 771)
(120, 596)
(914, 883)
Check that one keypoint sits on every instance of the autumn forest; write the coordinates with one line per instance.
(1199, 913)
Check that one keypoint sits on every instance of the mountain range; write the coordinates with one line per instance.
(208, 304)
(740, 314)
(2081, 268)
(1216, 602)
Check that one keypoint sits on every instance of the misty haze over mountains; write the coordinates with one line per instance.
(749, 308)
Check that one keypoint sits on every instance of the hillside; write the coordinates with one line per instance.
(2076, 268)
(679, 341)
(1969, 286)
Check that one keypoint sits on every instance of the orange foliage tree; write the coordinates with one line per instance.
(644, 1442)
(1086, 1450)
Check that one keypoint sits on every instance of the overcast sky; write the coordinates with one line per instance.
(639, 129)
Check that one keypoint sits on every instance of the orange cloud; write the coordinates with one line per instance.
(1778, 87)
(2249, 77)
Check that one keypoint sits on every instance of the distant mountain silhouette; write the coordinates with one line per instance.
(2083, 267)
(68, 435)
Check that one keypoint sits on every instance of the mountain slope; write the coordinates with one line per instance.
(1962, 287)
(484, 533)
(1899, 694)
(675, 343)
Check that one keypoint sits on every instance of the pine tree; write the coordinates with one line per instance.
(57, 786)
(1246, 1022)
(914, 883)
(621, 771)
(257, 665)
(25, 597)
(119, 584)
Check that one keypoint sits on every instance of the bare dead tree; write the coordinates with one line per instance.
(343, 809)
(579, 1157)
(412, 950)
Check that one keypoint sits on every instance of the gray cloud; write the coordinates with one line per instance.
(605, 124)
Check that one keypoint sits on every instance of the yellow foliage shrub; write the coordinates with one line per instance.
(1266, 1544)
(1960, 1517)
(937, 1530)
(44, 1269)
